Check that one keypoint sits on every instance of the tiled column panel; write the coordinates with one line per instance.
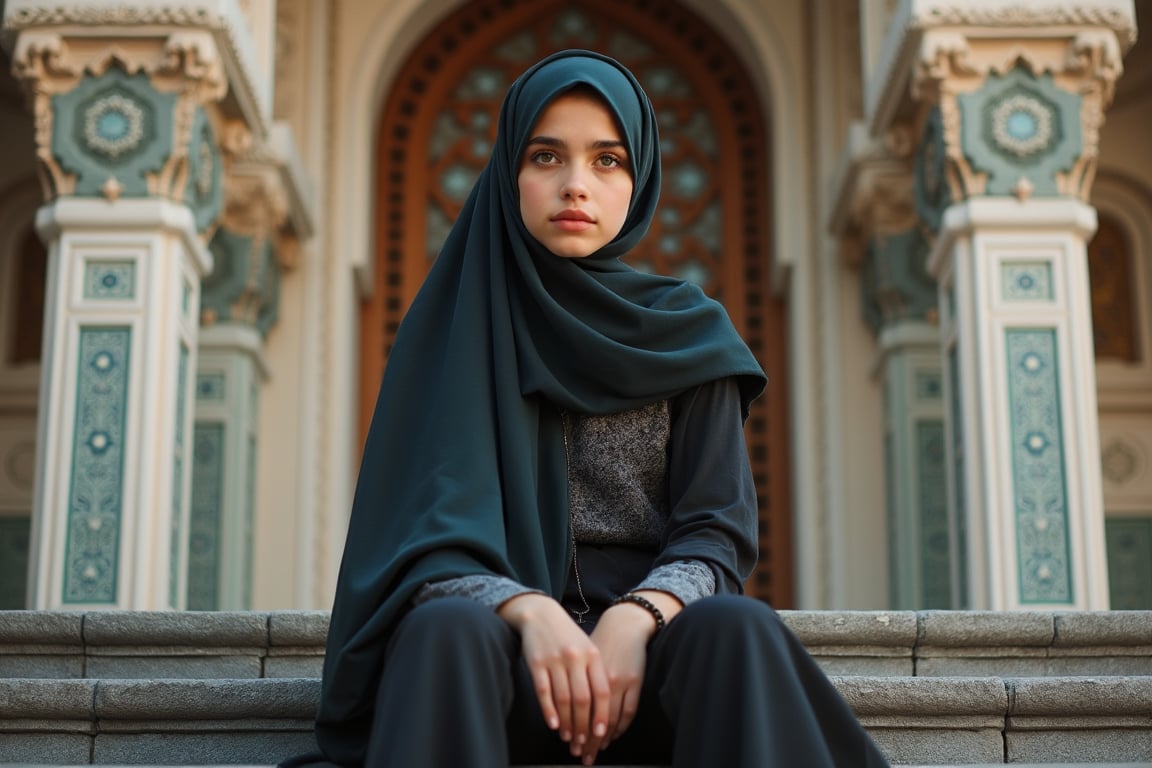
(1129, 564)
(13, 561)
(113, 481)
(919, 538)
(1025, 438)
(227, 396)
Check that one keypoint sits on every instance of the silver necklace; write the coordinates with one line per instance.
(579, 614)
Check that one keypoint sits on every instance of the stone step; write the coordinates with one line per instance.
(915, 720)
(284, 644)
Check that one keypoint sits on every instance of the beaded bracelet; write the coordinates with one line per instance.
(644, 603)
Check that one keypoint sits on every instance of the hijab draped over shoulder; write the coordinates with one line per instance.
(464, 467)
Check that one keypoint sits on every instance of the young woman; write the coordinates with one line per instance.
(555, 512)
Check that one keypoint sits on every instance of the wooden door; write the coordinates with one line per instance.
(713, 227)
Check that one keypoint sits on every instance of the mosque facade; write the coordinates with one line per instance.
(931, 220)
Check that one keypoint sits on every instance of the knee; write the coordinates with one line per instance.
(447, 622)
(730, 617)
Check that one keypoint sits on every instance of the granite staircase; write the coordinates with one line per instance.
(933, 687)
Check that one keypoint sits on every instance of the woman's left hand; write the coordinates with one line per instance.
(622, 635)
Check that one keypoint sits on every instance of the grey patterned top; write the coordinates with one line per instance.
(618, 494)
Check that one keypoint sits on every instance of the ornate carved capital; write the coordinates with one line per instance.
(883, 237)
(881, 203)
(894, 280)
(254, 201)
(40, 56)
(878, 222)
(127, 116)
(1031, 109)
(184, 61)
(266, 194)
(38, 60)
(944, 58)
(244, 286)
(164, 25)
(138, 98)
(254, 241)
(1009, 84)
(192, 62)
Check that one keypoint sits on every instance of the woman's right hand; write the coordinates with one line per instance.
(567, 671)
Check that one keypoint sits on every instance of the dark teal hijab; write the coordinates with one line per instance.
(464, 469)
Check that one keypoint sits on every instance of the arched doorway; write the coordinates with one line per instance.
(713, 227)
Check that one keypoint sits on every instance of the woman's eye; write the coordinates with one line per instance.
(544, 157)
(608, 161)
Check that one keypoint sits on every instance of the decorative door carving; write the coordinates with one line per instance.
(712, 228)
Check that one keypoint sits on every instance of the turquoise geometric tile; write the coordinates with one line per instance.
(929, 385)
(897, 572)
(1026, 281)
(110, 280)
(249, 534)
(14, 550)
(1039, 478)
(1020, 125)
(96, 488)
(115, 125)
(211, 386)
(959, 498)
(175, 551)
(1130, 562)
(935, 541)
(208, 468)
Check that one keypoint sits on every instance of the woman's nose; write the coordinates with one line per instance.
(574, 185)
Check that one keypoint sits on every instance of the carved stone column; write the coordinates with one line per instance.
(254, 243)
(1008, 102)
(136, 110)
(883, 238)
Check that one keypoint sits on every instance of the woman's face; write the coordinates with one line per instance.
(575, 177)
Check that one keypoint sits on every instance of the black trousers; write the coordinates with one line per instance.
(726, 685)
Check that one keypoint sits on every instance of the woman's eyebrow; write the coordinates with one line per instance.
(547, 141)
(550, 141)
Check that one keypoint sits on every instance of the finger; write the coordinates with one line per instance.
(630, 702)
(601, 743)
(562, 700)
(581, 703)
(600, 709)
(603, 697)
(596, 744)
(542, 682)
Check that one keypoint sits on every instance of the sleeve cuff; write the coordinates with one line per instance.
(488, 589)
(686, 580)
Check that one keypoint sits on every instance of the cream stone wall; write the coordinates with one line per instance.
(843, 562)
(293, 564)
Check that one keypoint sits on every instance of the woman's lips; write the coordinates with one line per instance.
(573, 221)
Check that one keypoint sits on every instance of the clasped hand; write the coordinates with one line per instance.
(588, 686)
